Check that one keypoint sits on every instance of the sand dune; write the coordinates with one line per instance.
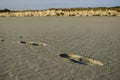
(61, 13)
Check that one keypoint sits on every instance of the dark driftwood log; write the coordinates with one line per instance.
(23, 42)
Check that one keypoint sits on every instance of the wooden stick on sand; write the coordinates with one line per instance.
(83, 60)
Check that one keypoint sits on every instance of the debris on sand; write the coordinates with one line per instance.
(1, 39)
(33, 43)
(82, 60)
(20, 36)
(37, 43)
(23, 42)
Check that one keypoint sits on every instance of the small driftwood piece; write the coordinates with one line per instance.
(23, 42)
(37, 43)
(1, 39)
(82, 60)
(33, 43)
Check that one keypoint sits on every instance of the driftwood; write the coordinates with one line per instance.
(1, 39)
(33, 43)
(82, 60)
(37, 43)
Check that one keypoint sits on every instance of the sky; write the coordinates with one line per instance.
(45, 4)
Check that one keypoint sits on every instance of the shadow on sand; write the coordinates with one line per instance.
(67, 57)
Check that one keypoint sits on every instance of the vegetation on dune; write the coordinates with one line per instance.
(98, 11)
(70, 9)
(89, 8)
(5, 10)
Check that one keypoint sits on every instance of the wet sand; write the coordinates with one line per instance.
(94, 37)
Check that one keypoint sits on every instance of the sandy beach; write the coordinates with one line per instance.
(93, 37)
